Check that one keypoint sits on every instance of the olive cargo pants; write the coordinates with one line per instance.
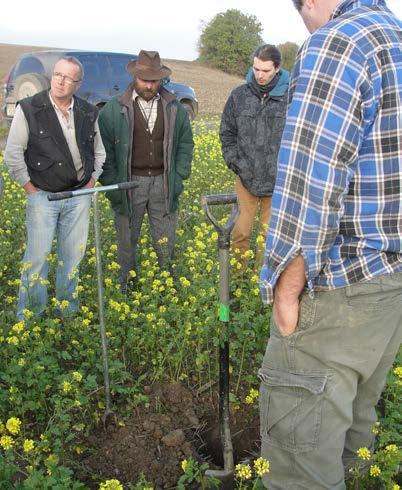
(320, 385)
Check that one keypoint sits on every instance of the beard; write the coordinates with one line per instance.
(146, 93)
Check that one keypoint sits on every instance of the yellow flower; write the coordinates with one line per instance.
(28, 445)
(111, 485)
(13, 340)
(254, 393)
(243, 471)
(6, 442)
(77, 376)
(113, 266)
(376, 428)
(184, 282)
(64, 304)
(260, 240)
(27, 313)
(364, 453)
(261, 466)
(375, 470)
(13, 425)
(26, 266)
(398, 371)
(184, 465)
(66, 386)
(392, 448)
(396, 487)
(248, 254)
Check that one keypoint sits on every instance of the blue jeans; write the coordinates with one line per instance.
(68, 220)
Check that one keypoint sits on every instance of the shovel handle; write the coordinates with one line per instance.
(221, 199)
(214, 199)
(122, 186)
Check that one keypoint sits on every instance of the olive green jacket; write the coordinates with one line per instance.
(116, 123)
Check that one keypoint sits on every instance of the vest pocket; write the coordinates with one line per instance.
(51, 175)
(290, 409)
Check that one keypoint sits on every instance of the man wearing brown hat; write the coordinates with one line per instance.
(148, 139)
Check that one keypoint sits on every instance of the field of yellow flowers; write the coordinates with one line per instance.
(51, 382)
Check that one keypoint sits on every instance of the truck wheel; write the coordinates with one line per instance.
(29, 84)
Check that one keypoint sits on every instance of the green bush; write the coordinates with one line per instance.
(228, 41)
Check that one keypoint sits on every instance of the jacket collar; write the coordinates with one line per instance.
(282, 86)
(348, 5)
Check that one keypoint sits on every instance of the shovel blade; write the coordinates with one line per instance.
(224, 477)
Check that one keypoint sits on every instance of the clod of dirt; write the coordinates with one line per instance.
(174, 438)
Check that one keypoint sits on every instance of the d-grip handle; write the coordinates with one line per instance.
(221, 199)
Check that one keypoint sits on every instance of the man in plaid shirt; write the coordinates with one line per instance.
(333, 264)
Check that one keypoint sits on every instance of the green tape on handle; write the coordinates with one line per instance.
(223, 313)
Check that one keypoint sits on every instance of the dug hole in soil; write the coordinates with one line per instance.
(176, 424)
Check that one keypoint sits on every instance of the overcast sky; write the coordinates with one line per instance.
(171, 27)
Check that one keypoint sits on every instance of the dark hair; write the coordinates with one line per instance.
(268, 52)
(298, 4)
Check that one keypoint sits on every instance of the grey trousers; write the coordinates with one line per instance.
(147, 197)
(320, 385)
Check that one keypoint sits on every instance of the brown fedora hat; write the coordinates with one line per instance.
(148, 66)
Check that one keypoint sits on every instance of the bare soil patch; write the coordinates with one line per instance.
(176, 425)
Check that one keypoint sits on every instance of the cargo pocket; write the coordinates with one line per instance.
(290, 409)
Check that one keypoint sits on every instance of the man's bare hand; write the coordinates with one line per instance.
(287, 292)
(286, 315)
(90, 184)
(30, 188)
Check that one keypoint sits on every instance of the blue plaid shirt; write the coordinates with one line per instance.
(338, 194)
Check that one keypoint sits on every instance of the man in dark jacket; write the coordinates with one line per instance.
(250, 133)
(148, 139)
(54, 145)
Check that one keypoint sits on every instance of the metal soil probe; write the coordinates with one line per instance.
(225, 475)
(101, 302)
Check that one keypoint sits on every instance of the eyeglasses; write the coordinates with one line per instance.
(64, 78)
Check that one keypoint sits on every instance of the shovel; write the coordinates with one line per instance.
(225, 475)
(58, 196)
